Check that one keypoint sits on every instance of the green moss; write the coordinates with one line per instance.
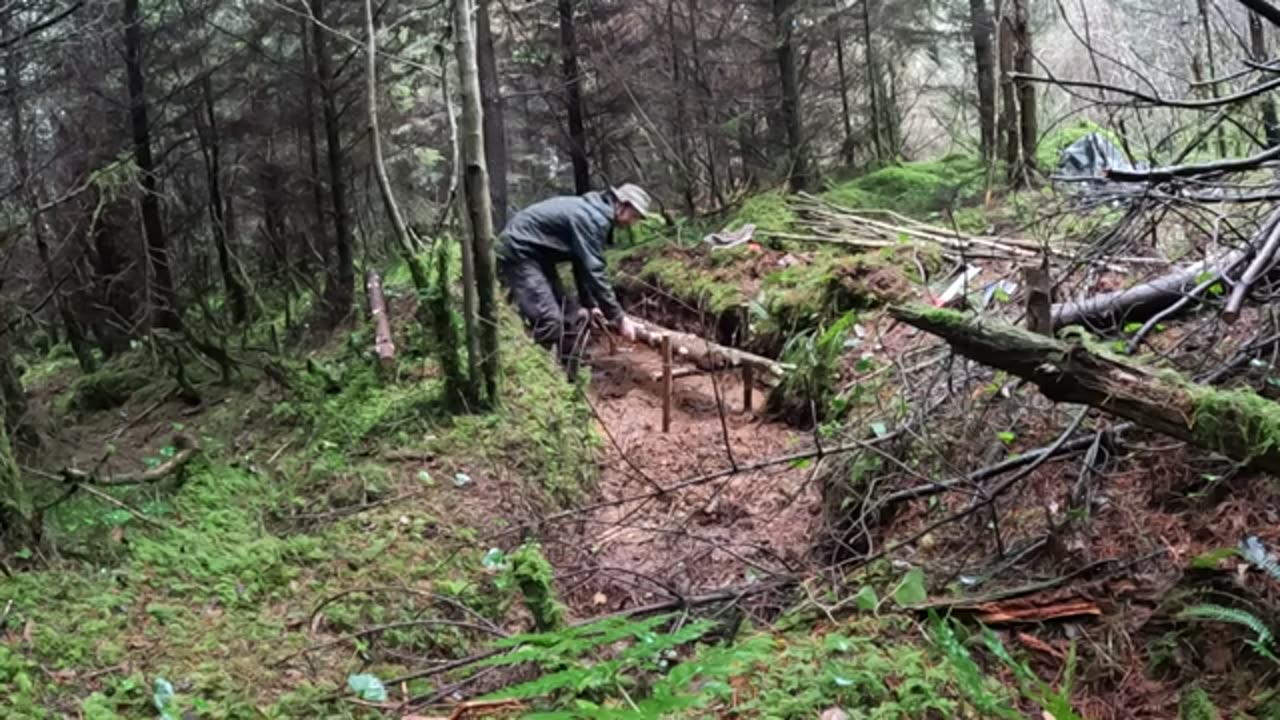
(1227, 419)
(106, 389)
(1052, 145)
(915, 188)
(1196, 705)
(693, 284)
(767, 211)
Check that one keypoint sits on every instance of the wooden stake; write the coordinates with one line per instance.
(744, 327)
(666, 383)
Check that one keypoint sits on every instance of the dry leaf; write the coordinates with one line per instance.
(599, 599)
(117, 534)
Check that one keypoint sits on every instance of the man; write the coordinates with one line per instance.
(576, 230)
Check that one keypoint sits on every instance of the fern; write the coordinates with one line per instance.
(1054, 702)
(1263, 643)
(969, 676)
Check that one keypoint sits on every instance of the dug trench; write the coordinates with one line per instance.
(731, 526)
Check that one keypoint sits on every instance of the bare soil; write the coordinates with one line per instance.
(707, 536)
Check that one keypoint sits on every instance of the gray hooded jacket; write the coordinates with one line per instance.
(572, 229)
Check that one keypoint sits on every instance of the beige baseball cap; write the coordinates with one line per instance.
(634, 196)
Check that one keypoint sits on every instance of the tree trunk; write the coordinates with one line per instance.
(1237, 424)
(798, 172)
(341, 287)
(30, 198)
(495, 123)
(846, 120)
(679, 118)
(166, 314)
(1212, 66)
(1009, 123)
(313, 145)
(873, 85)
(475, 182)
(404, 241)
(1024, 61)
(980, 27)
(1258, 41)
(573, 98)
(211, 144)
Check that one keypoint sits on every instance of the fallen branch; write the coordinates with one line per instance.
(1171, 172)
(1237, 424)
(185, 445)
(1261, 263)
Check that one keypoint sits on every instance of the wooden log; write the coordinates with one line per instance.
(706, 354)
(1238, 424)
(383, 346)
(666, 383)
(1143, 301)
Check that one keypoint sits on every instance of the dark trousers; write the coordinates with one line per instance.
(536, 291)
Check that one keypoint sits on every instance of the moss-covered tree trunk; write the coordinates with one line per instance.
(1238, 424)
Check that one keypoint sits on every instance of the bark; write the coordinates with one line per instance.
(784, 49)
(573, 97)
(495, 124)
(1028, 126)
(873, 84)
(1239, 424)
(706, 354)
(1009, 122)
(466, 390)
(341, 287)
(383, 346)
(313, 145)
(1212, 66)
(679, 124)
(984, 68)
(211, 144)
(846, 121)
(1258, 44)
(1263, 8)
(166, 314)
(475, 185)
(404, 241)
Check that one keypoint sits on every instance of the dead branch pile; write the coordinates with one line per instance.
(826, 222)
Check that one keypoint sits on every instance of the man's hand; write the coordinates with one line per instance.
(627, 328)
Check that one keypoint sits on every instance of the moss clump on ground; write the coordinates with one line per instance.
(767, 211)
(831, 284)
(1196, 705)
(914, 188)
(106, 389)
(536, 579)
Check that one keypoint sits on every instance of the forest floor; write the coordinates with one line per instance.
(337, 524)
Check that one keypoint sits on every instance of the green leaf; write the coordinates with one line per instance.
(168, 451)
(1007, 437)
(1216, 289)
(866, 598)
(367, 687)
(424, 477)
(162, 697)
(1132, 328)
(1001, 296)
(879, 429)
(461, 480)
(1210, 560)
(802, 463)
(911, 590)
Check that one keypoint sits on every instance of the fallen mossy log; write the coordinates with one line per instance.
(706, 354)
(1238, 424)
(185, 449)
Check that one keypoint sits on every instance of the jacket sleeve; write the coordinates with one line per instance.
(589, 267)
